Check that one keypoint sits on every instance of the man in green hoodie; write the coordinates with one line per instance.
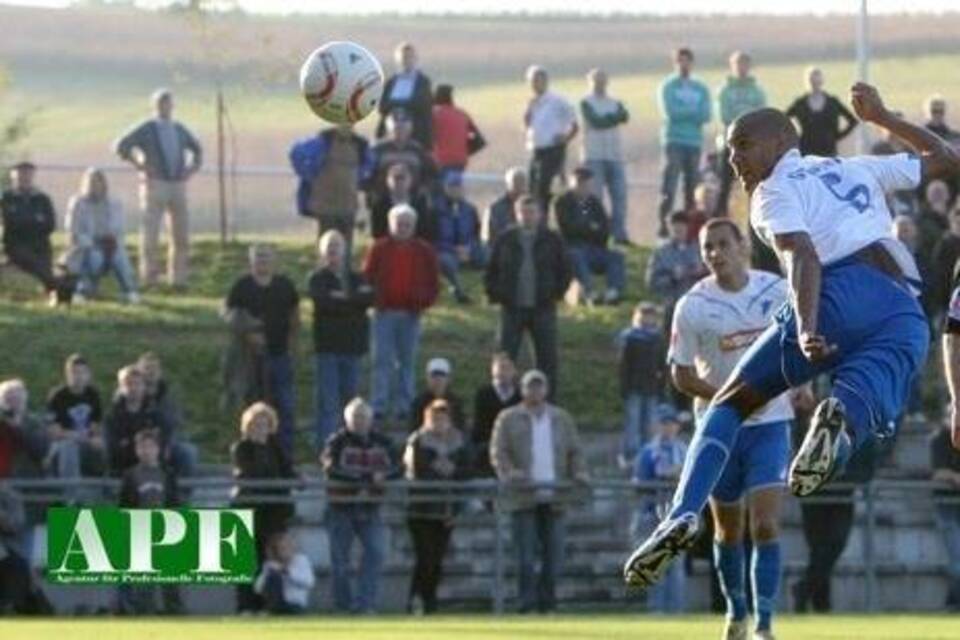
(741, 94)
(685, 106)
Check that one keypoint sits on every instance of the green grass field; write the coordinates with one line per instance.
(561, 627)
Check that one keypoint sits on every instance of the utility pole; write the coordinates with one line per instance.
(221, 168)
(863, 67)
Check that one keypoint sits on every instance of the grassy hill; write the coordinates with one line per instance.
(187, 333)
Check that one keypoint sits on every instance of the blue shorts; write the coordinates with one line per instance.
(881, 334)
(758, 460)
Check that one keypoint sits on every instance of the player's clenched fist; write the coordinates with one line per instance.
(867, 103)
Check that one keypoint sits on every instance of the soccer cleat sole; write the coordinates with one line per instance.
(649, 562)
(814, 462)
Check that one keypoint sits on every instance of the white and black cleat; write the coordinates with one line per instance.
(815, 461)
(647, 564)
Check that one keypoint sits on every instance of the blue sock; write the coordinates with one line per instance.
(728, 559)
(765, 571)
(859, 423)
(706, 458)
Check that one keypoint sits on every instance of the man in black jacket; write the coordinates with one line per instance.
(408, 89)
(502, 392)
(529, 271)
(28, 221)
(584, 226)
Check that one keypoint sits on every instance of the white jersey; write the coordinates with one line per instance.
(713, 327)
(840, 202)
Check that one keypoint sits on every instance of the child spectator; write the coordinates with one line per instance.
(147, 486)
(286, 578)
(661, 460)
(129, 414)
(77, 446)
(458, 234)
(643, 371)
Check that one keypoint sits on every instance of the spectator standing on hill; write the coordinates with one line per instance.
(936, 110)
(400, 191)
(739, 95)
(286, 577)
(359, 460)
(643, 372)
(400, 148)
(76, 424)
(403, 272)
(603, 118)
(458, 234)
(147, 485)
(258, 455)
(439, 377)
(501, 392)
(819, 115)
(685, 107)
(436, 452)
(585, 229)
(551, 123)
(704, 208)
(537, 443)
(661, 459)
(270, 301)
(527, 274)
(96, 237)
(674, 266)
(331, 166)
(28, 221)
(500, 215)
(129, 414)
(166, 155)
(341, 332)
(181, 454)
(455, 136)
(408, 91)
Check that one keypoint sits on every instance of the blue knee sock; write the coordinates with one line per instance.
(859, 425)
(765, 571)
(728, 559)
(706, 459)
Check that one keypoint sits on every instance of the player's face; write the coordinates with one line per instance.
(752, 159)
(721, 251)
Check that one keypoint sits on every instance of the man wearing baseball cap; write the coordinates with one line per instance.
(439, 372)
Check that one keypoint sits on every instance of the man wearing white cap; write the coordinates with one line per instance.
(438, 387)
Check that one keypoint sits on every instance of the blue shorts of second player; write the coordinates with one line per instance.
(881, 335)
(758, 460)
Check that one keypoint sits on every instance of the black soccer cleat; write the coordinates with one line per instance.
(814, 463)
(649, 562)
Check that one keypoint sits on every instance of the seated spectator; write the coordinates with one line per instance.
(76, 434)
(358, 460)
(258, 455)
(408, 92)
(527, 274)
(28, 221)
(341, 332)
(400, 148)
(585, 228)
(458, 234)
(500, 215)
(439, 373)
(181, 454)
(932, 221)
(286, 578)
(502, 392)
(661, 459)
(399, 191)
(403, 272)
(19, 591)
(674, 266)
(945, 463)
(96, 236)
(130, 414)
(331, 167)
(455, 136)
(536, 443)
(436, 451)
(147, 485)
(270, 303)
(643, 372)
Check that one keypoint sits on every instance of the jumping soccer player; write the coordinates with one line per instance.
(715, 322)
(853, 310)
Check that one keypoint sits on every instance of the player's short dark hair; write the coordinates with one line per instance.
(683, 51)
(717, 223)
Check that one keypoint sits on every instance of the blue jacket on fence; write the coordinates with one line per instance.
(308, 156)
(458, 224)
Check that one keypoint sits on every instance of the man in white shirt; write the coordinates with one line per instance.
(853, 311)
(551, 123)
(714, 324)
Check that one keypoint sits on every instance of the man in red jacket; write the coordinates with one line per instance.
(455, 136)
(403, 272)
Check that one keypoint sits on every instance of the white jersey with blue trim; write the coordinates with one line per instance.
(713, 327)
(839, 202)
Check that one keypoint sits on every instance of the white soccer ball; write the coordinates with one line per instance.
(342, 82)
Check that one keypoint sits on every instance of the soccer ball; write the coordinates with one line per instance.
(341, 82)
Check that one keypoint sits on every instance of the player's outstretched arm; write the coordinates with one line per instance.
(938, 158)
(804, 272)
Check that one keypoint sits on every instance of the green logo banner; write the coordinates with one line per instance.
(110, 545)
